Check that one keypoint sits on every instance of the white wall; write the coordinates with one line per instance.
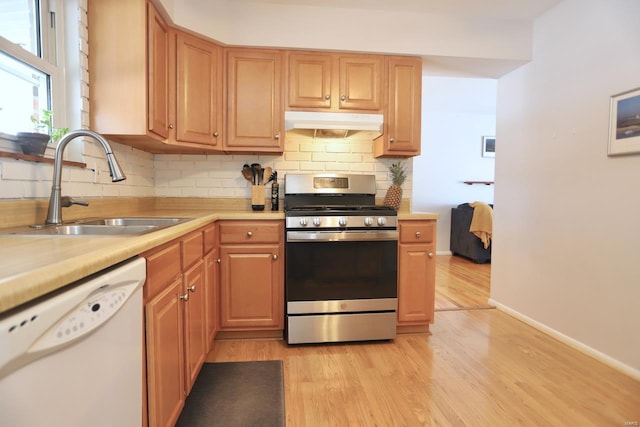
(566, 225)
(325, 26)
(456, 113)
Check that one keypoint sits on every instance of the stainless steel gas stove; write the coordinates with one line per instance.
(341, 260)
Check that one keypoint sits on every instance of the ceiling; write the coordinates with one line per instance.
(501, 9)
(468, 38)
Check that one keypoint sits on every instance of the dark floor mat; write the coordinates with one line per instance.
(236, 394)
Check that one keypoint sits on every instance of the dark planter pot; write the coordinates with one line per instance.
(33, 143)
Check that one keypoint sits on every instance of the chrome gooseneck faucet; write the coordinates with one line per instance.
(54, 213)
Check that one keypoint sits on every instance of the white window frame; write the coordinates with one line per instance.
(52, 62)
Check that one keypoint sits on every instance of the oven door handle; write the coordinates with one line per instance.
(342, 236)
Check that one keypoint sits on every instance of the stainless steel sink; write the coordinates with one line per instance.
(135, 221)
(98, 227)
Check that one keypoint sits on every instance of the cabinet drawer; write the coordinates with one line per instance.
(192, 246)
(417, 231)
(163, 267)
(251, 232)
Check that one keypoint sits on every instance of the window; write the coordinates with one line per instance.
(29, 77)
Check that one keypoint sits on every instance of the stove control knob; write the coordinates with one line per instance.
(317, 221)
(303, 221)
(382, 221)
(342, 221)
(368, 221)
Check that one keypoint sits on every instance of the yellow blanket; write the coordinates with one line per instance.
(482, 222)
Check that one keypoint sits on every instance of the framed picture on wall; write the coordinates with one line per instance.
(624, 123)
(488, 146)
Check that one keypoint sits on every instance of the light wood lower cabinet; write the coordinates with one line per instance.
(416, 275)
(251, 275)
(176, 310)
(211, 272)
(195, 322)
(165, 356)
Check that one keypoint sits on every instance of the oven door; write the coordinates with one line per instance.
(326, 268)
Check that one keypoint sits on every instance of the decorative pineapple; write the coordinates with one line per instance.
(394, 193)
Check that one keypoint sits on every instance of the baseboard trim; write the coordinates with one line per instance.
(580, 346)
(444, 253)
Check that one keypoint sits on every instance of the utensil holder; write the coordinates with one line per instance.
(258, 197)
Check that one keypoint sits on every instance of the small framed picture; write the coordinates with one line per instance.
(624, 123)
(488, 146)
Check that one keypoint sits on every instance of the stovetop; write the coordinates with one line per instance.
(353, 210)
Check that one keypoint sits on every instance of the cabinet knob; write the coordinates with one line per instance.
(418, 234)
(170, 125)
(275, 257)
(430, 254)
(249, 233)
(343, 98)
(219, 260)
(327, 97)
(215, 134)
(392, 140)
(185, 297)
(192, 288)
(276, 136)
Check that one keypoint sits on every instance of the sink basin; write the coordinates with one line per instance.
(135, 221)
(98, 227)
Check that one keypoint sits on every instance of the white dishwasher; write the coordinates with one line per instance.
(74, 358)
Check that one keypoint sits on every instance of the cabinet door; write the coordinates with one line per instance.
(416, 284)
(195, 322)
(361, 82)
(309, 79)
(255, 114)
(251, 287)
(212, 270)
(199, 90)
(165, 352)
(403, 118)
(158, 73)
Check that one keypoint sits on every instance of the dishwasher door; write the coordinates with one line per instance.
(75, 357)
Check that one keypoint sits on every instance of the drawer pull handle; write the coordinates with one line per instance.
(192, 288)
(418, 234)
(185, 297)
(275, 257)
(430, 254)
(249, 233)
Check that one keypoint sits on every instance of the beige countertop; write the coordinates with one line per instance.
(32, 266)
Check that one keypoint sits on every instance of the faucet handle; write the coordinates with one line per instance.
(67, 201)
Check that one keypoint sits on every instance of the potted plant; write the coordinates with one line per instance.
(394, 193)
(35, 143)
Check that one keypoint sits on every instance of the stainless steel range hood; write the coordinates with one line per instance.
(337, 122)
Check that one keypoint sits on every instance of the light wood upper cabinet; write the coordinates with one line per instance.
(129, 69)
(159, 61)
(334, 82)
(255, 113)
(361, 82)
(199, 91)
(401, 137)
(134, 84)
(309, 76)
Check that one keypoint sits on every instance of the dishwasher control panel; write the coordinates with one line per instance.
(87, 316)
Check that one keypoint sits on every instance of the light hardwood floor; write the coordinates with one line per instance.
(477, 367)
